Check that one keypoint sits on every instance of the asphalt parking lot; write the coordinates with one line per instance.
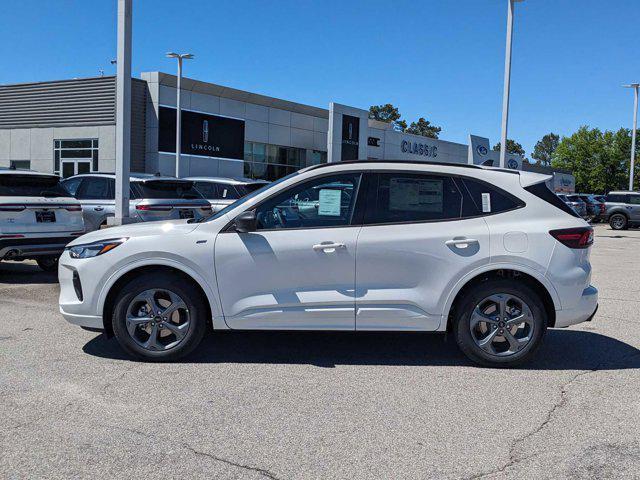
(310, 405)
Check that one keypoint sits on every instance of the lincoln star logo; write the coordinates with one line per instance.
(482, 150)
(205, 131)
(512, 163)
(351, 131)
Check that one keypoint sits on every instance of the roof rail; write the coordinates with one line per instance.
(413, 162)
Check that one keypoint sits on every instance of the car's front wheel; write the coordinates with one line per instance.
(157, 317)
(500, 323)
(618, 221)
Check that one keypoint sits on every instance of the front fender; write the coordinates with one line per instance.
(162, 259)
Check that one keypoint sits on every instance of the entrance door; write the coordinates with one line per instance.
(72, 167)
(297, 270)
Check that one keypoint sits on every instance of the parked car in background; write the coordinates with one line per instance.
(37, 217)
(622, 209)
(224, 191)
(595, 207)
(575, 202)
(490, 255)
(152, 198)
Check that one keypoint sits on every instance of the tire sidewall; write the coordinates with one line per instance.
(462, 329)
(616, 215)
(177, 285)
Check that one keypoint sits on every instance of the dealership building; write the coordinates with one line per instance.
(68, 127)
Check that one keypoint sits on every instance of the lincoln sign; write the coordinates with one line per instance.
(202, 134)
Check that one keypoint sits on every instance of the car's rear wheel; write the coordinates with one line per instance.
(500, 323)
(48, 264)
(618, 221)
(157, 317)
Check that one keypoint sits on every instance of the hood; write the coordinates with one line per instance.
(145, 229)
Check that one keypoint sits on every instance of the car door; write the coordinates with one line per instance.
(413, 248)
(634, 208)
(297, 269)
(97, 197)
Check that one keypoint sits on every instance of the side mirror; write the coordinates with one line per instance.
(246, 222)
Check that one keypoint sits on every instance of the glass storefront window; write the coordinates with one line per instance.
(75, 155)
(270, 162)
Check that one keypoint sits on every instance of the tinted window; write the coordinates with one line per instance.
(407, 197)
(207, 189)
(71, 185)
(166, 189)
(489, 199)
(227, 191)
(95, 188)
(31, 186)
(616, 198)
(542, 191)
(322, 202)
(634, 199)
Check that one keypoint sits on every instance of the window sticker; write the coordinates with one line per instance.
(329, 202)
(486, 203)
(414, 195)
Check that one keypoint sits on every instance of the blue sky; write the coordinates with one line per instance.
(439, 59)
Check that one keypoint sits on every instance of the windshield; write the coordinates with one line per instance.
(31, 186)
(235, 204)
(164, 189)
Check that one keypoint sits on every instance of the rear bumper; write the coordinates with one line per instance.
(21, 248)
(582, 312)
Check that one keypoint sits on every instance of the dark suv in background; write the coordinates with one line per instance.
(595, 206)
(622, 209)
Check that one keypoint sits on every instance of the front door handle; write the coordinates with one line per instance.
(328, 247)
(461, 242)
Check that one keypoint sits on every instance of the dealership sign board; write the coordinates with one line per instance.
(350, 137)
(479, 153)
(202, 134)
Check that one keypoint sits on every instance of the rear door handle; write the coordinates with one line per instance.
(328, 247)
(98, 209)
(461, 242)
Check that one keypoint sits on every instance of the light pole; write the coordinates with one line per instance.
(633, 132)
(507, 81)
(180, 57)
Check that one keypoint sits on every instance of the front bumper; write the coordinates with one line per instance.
(582, 312)
(78, 302)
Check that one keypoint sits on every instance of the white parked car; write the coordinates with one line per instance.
(491, 255)
(222, 192)
(37, 217)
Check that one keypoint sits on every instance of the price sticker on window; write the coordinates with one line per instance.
(329, 202)
(486, 202)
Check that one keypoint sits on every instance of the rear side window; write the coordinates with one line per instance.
(407, 197)
(97, 188)
(489, 199)
(207, 189)
(163, 189)
(634, 199)
(541, 190)
(31, 186)
(616, 198)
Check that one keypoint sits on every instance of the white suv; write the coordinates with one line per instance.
(37, 217)
(491, 255)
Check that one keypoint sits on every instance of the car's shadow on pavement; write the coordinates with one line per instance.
(25, 273)
(562, 350)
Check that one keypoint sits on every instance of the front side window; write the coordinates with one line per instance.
(97, 188)
(323, 202)
(616, 198)
(634, 199)
(407, 197)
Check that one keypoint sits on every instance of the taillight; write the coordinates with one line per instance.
(154, 208)
(602, 209)
(11, 236)
(579, 237)
(11, 207)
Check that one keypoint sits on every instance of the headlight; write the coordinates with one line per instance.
(90, 250)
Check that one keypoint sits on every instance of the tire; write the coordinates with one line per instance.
(483, 296)
(618, 221)
(48, 264)
(134, 302)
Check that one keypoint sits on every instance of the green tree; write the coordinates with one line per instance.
(423, 127)
(598, 160)
(512, 147)
(388, 114)
(544, 148)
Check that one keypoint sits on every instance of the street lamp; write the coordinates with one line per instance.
(180, 57)
(633, 132)
(507, 80)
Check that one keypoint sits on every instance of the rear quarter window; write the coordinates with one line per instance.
(488, 199)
